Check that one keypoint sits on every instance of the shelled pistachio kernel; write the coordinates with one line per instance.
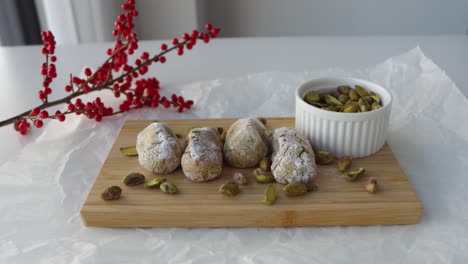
(167, 187)
(332, 101)
(133, 179)
(353, 95)
(111, 193)
(344, 89)
(269, 195)
(295, 189)
(354, 175)
(155, 183)
(229, 189)
(262, 176)
(265, 164)
(239, 178)
(344, 163)
(361, 91)
(371, 186)
(323, 157)
(312, 97)
(343, 98)
(129, 151)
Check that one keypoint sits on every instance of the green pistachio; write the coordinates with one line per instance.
(354, 175)
(168, 187)
(155, 183)
(371, 186)
(295, 189)
(344, 163)
(265, 164)
(361, 91)
(111, 193)
(323, 157)
(262, 176)
(344, 89)
(332, 101)
(350, 109)
(129, 151)
(269, 195)
(229, 189)
(133, 179)
(312, 97)
(353, 95)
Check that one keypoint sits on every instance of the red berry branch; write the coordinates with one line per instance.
(115, 74)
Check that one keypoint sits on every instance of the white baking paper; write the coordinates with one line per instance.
(43, 188)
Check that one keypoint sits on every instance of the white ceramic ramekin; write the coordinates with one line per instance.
(353, 134)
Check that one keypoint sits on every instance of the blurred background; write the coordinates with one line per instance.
(88, 21)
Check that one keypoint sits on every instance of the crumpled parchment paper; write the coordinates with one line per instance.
(43, 188)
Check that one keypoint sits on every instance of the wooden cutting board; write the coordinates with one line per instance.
(337, 202)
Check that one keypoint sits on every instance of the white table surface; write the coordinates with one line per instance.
(224, 58)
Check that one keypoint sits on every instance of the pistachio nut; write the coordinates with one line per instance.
(376, 98)
(344, 89)
(330, 108)
(350, 108)
(262, 176)
(168, 187)
(129, 151)
(343, 98)
(353, 95)
(335, 94)
(229, 189)
(311, 187)
(332, 101)
(133, 179)
(239, 178)
(344, 163)
(323, 157)
(354, 175)
(371, 186)
(312, 97)
(318, 104)
(375, 106)
(269, 195)
(155, 183)
(265, 164)
(369, 99)
(361, 91)
(295, 189)
(111, 193)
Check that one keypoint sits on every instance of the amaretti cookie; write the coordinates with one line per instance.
(158, 149)
(246, 143)
(203, 157)
(293, 158)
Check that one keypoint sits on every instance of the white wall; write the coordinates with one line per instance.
(81, 21)
(338, 17)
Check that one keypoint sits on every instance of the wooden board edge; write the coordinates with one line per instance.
(411, 213)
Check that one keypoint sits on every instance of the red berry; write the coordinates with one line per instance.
(98, 118)
(208, 26)
(71, 107)
(61, 118)
(58, 112)
(144, 55)
(195, 33)
(175, 41)
(41, 95)
(162, 59)
(180, 52)
(53, 59)
(35, 112)
(44, 51)
(86, 88)
(44, 114)
(47, 91)
(164, 46)
(186, 36)
(38, 123)
(88, 72)
(180, 109)
(68, 88)
(22, 132)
